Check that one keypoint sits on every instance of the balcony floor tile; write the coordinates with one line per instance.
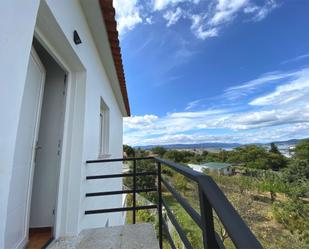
(138, 236)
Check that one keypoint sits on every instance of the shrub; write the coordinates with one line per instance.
(294, 215)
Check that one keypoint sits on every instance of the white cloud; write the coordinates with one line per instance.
(201, 122)
(251, 9)
(283, 114)
(262, 12)
(139, 122)
(127, 15)
(192, 104)
(203, 34)
(199, 114)
(225, 10)
(198, 27)
(297, 58)
(296, 90)
(149, 20)
(296, 131)
(162, 4)
(206, 21)
(274, 117)
(250, 86)
(172, 16)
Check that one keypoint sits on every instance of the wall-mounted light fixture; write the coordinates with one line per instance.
(76, 38)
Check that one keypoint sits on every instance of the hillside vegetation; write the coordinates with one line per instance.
(270, 192)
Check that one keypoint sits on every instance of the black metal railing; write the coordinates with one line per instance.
(211, 198)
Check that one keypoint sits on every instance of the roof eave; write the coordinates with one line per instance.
(109, 16)
(100, 15)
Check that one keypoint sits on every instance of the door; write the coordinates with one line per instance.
(20, 186)
(48, 157)
(30, 118)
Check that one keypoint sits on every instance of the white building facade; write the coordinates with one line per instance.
(62, 102)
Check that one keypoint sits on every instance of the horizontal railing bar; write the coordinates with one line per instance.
(126, 191)
(111, 210)
(120, 175)
(119, 159)
(186, 171)
(178, 228)
(169, 237)
(238, 231)
(184, 203)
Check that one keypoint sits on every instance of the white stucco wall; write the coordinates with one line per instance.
(97, 86)
(15, 44)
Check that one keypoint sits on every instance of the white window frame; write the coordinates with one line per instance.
(104, 124)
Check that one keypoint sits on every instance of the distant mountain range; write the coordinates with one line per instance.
(217, 145)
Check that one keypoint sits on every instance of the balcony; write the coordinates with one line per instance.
(213, 206)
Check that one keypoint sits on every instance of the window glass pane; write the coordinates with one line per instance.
(104, 129)
(101, 132)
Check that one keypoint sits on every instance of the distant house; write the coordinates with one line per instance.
(221, 168)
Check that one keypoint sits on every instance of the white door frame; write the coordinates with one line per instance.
(63, 154)
(54, 40)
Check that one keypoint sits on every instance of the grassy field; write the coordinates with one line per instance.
(255, 208)
(269, 191)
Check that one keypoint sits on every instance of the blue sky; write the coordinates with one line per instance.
(215, 70)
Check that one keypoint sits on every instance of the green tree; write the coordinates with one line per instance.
(276, 161)
(212, 157)
(139, 152)
(302, 150)
(223, 155)
(296, 170)
(251, 156)
(143, 182)
(128, 150)
(294, 215)
(271, 183)
(179, 156)
(297, 190)
(159, 150)
(205, 153)
(259, 163)
(198, 158)
(274, 149)
(181, 183)
(256, 157)
(296, 176)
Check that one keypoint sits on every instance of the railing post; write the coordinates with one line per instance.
(134, 191)
(160, 204)
(209, 236)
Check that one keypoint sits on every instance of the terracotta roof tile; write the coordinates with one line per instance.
(108, 13)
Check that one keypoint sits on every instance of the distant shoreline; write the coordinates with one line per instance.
(216, 146)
